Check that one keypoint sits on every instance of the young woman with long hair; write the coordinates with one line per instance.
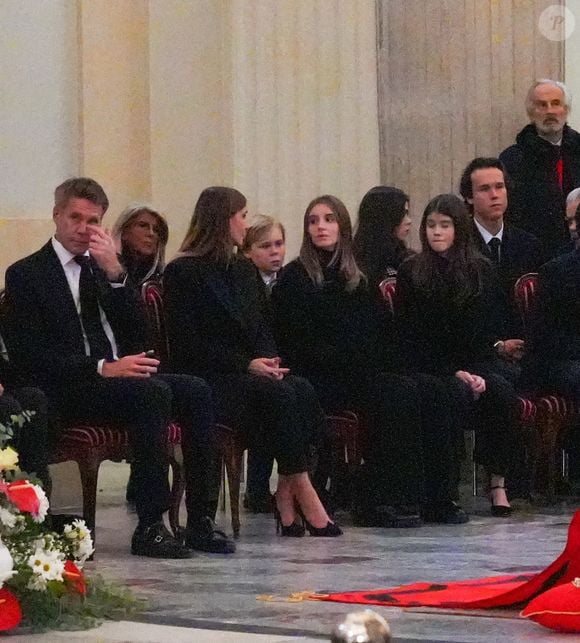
(382, 229)
(446, 308)
(334, 330)
(216, 330)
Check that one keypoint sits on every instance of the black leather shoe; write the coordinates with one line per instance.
(204, 536)
(446, 512)
(390, 517)
(155, 541)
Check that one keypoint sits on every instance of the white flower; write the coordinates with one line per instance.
(37, 583)
(48, 564)
(6, 564)
(82, 542)
(43, 504)
(7, 518)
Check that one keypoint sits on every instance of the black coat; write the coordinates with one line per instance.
(213, 317)
(536, 202)
(44, 338)
(438, 336)
(328, 331)
(556, 325)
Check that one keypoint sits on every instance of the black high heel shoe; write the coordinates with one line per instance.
(499, 511)
(291, 531)
(330, 531)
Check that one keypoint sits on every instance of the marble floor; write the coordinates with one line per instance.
(214, 598)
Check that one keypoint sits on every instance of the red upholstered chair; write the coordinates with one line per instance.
(556, 414)
(231, 443)
(89, 445)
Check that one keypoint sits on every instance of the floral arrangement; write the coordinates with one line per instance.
(42, 583)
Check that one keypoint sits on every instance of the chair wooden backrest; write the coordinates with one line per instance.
(525, 292)
(152, 295)
(388, 287)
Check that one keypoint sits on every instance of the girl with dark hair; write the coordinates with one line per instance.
(335, 331)
(141, 234)
(446, 309)
(382, 229)
(216, 330)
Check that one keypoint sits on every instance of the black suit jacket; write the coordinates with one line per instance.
(213, 317)
(521, 253)
(44, 337)
(556, 324)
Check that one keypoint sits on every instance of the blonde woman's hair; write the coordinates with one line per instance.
(125, 219)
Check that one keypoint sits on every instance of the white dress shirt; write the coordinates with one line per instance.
(72, 272)
(487, 236)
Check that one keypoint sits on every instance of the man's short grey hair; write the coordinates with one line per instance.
(548, 81)
(573, 196)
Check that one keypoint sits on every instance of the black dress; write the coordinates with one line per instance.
(340, 341)
(440, 336)
(215, 329)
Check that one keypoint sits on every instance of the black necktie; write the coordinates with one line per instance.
(99, 344)
(494, 244)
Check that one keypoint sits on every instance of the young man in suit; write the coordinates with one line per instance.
(76, 329)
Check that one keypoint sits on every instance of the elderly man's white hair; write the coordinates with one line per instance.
(574, 195)
(554, 83)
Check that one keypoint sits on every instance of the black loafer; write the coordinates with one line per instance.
(445, 512)
(155, 541)
(203, 536)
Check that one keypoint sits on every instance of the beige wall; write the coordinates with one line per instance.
(157, 99)
(458, 92)
(304, 104)
(39, 127)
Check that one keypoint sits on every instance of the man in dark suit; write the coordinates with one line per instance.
(514, 252)
(76, 329)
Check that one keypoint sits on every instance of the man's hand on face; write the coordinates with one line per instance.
(102, 249)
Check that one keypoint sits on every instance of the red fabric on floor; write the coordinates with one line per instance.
(485, 593)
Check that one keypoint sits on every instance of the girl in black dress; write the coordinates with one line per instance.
(382, 230)
(446, 307)
(336, 330)
(216, 330)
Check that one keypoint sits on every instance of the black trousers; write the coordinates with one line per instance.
(146, 406)
(494, 416)
(31, 441)
(411, 455)
(280, 417)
